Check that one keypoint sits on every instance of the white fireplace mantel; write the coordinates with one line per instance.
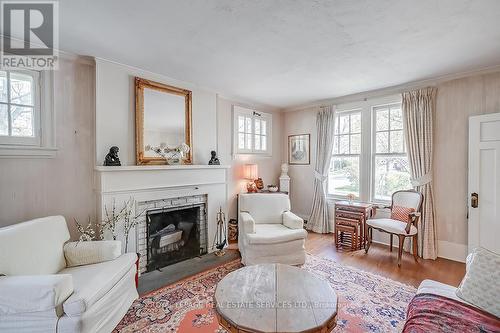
(147, 183)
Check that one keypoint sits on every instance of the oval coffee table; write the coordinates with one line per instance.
(275, 298)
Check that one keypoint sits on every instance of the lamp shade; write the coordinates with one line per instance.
(251, 171)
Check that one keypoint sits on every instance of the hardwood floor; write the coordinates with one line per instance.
(381, 261)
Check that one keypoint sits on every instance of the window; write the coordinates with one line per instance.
(27, 119)
(390, 171)
(19, 108)
(252, 133)
(369, 156)
(344, 169)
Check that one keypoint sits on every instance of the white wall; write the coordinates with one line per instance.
(115, 112)
(269, 166)
(457, 100)
(36, 187)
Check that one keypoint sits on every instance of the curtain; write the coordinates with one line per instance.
(418, 109)
(325, 124)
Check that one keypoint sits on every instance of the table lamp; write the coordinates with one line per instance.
(251, 172)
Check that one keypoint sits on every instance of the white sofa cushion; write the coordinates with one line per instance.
(274, 233)
(481, 283)
(438, 288)
(92, 282)
(86, 253)
(34, 293)
(264, 208)
(37, 245)
(393, 226)
(247, 223)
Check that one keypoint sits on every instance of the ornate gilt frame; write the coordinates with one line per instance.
(140, 84)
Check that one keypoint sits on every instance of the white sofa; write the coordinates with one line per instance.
(268, 232)
(40, 293)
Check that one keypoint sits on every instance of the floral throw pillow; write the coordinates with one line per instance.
(401, 213)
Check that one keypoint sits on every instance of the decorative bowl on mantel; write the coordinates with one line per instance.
(272, 188)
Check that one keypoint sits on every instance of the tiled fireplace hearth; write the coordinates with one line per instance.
(171, 230)
(166, 189)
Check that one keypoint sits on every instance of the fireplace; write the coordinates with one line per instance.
(173, 235)
(171, 230)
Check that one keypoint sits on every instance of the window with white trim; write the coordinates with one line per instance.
(369, 157)
(390, 163)
(252, 131)
(344, 169)
(27, 117)
(19, 108)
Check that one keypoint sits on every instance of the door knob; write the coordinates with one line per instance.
(474, 200)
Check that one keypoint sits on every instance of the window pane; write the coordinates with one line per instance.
(241, 124)
(248, 141)
(264, 142)
(343, 178)
(22, 121)
(336, 144)
(263, 125)
(382, 118)
(257, 126)
(382, 144)
(396, 118)
(391, 174)
(397, 142)
(248, 125)
(241, 141)
(344, 124)
(3, 86)
(356, 123)
(4, 120)
(257, 142)
(356, 144)
(337, 121)
(21, 89)
(344, 144)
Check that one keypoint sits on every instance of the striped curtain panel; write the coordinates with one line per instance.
(325, 123)
(418, 110)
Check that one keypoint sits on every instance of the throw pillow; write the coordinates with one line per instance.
(480, 285)
(401, 213)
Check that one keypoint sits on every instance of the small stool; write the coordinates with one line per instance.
(346, 235)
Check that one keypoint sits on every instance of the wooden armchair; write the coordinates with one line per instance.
(405, 213)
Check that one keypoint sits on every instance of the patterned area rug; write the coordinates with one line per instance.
(367, 302)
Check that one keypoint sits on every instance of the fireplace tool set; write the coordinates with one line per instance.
(220, 239)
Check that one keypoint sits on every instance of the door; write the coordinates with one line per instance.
(484, 182)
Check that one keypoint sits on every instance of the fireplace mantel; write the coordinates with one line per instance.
(149, 183)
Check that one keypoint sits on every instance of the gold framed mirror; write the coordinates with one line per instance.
(162, 121)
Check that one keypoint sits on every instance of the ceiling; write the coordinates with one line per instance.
(284, 53)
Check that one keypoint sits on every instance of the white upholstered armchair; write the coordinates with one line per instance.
(405, 214)
(49, 285)
(268, 231)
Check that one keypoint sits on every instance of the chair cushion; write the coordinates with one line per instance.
(92, 282)
(274, 233)
(392, 226)
(34, 247)
(265, 207)
(401, 213)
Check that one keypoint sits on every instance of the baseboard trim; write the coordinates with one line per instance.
(446, 250)
(452, 251)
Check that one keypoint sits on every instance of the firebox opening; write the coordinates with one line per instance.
(173, 236)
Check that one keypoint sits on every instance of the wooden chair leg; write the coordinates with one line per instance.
(391, 243)
(400, 250)
(369, 232)
(415, 247)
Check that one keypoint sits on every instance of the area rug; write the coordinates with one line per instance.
(367, 302)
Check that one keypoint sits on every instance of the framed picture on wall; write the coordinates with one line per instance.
(299, 149)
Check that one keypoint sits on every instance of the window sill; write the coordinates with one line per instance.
(27, 152)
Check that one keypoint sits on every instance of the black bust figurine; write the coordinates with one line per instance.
(214, 160)
(112, 157)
